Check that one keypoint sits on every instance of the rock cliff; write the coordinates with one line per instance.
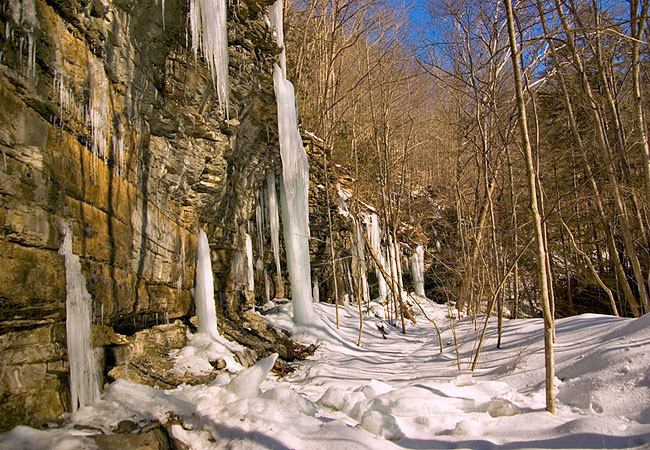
(110, 122)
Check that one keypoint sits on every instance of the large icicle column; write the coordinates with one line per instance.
(375, 242)
(84, 368)
(209, 32)
(294, 189)
(204, 289)
(417, 270)
(276, 13)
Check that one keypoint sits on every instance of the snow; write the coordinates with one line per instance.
(247, 383)
(402, 392)
(194, 358)
(209, 32)
(26, 438)
(204, 290)
(84, 366)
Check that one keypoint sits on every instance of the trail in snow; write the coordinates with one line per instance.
(401, 392)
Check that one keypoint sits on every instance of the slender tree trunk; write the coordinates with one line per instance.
(637, 26)
(536, 217)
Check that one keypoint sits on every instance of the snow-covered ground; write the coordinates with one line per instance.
(402, 392)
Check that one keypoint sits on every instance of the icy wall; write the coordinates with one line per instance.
(109, 121)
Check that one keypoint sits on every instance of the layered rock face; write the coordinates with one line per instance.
(111, 123)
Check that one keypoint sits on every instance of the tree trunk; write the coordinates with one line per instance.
(536, 217)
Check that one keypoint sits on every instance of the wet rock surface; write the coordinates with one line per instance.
(110, 122)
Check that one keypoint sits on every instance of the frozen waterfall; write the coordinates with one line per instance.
(375, 241)
(85, 376)
(209, 32)
(295, 188)
(204, 290)
(417, 270)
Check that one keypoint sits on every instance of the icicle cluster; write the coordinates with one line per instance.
(99, 117)
(84, 368)
(204, 290)
(69, 102)
(23, 13)
(210, 34)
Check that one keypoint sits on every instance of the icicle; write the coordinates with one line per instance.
(267, 286)
(294, 202)
(259, 222)
(274, 220)
(417, 270)
(375, 241)
(276, 17)
(163, 12)
(209, 32)
(181, 262)
(362, 264)
(204, 289)
(118, 149)
(316, 291)
(250, 274)
(392, 261)
(85, 375)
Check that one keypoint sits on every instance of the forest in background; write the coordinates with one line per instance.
(422, 119)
